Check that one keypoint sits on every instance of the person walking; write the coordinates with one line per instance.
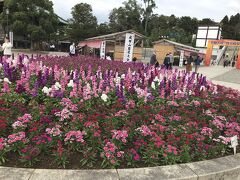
(153, 59)
(166, 61)
(189, 64)
(7, 48)
(72, 50)
(171, 60)
(197, 63)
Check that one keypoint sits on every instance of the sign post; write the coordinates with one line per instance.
(234, 144)
(103, 50)
(128, 49)
(11, 37)
(181, 59)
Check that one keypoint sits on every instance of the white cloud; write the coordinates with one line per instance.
(214, 9)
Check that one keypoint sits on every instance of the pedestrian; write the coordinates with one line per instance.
(166, 61)
(7, 48)
(72, 50)
(197, 63)
(189, 64)
(134, 59)
(171, 60)
(225, 63)
(108, 57)
(153, 59)
(233, 63)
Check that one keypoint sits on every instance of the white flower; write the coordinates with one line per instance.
(104, 97)
(123, 76)
(70, 84)
(6, 80)
(202, 88)
(153, 85)
(156, 79)
(25, 61)
(46, 90)
(117, 80)
(57, 86)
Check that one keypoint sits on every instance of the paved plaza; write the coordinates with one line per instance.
(229, 77)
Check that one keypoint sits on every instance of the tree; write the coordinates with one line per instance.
(148, 10)
(127, 17)
(207, 22)
(103, 29)
(30, 19)
(83, 23)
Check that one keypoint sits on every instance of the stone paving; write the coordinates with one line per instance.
(229, 77)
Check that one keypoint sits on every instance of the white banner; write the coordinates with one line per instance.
(181, 59)
(103, 50)
(128, 50)
(11, 37)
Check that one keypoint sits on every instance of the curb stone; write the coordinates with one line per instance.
(226, 168)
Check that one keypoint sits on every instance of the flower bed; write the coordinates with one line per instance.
(92, 118)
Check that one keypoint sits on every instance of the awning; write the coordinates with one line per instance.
(91, 44)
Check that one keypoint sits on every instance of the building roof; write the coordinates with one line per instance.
(117, 35)
(178, 45)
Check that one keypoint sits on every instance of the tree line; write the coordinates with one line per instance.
(35, 20)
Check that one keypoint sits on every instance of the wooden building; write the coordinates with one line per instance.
(164, 46)
(115, 43)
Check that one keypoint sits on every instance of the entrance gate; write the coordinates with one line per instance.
(222, 42)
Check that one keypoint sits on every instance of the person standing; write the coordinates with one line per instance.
(189, 64)
(72, 50)
(171, 60)
(153, 59)
(7, 48)
(198, 61)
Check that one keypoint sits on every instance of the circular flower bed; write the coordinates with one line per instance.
(95, 118)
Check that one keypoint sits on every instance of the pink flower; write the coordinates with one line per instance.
(75, 136)
(120, 135)
(196, 103)
(120, 154)
(144, 130)
(20, 136)
(2, 143)
(121, 113)
(130, 104)
(64, 114)
(175, 118)
(55, 131)
(207, 131)
(218, 123)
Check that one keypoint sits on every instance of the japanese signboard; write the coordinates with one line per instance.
(129, 45)
(181, 59)
(103, 50)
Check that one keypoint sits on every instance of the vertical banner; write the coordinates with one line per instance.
(128, 49)
(103, 50)
(11, 37)
(181, 59)
(238, 60)
(209, 54)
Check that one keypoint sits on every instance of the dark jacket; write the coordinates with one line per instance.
(153, 59)
(189, 60)
(166, 60)
(198, 61)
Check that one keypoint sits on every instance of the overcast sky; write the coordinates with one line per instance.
(214, 9)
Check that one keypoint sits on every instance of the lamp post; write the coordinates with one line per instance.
(7, 13)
